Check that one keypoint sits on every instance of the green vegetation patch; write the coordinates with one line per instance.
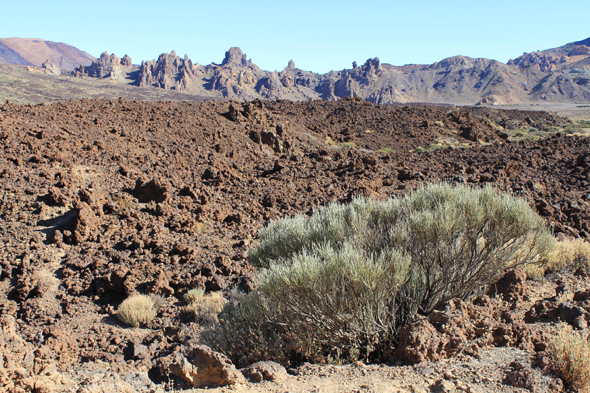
(339, 285)
(530, 134)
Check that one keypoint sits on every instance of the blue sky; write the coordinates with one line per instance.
(318, 35)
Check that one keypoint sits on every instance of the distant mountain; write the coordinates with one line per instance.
(31, 51)
(557, 75)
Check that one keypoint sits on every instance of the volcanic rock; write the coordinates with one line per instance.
(235, 56)
(511, 287)
(105, 65)
(154, 190)
(202, 367)
(264, 371)
(126, 61)
(51, 68)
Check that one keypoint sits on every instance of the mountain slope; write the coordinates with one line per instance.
(31, 51)
(9, 56)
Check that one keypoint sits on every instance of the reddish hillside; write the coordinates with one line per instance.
(31, 51)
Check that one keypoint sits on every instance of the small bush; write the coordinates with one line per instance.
(331, 143)
(205, 304)
(432, 147)
(136, 310)
(571, 355)
(567, 255)
(339, 285)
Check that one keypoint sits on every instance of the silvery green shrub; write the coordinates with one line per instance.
(340, 284)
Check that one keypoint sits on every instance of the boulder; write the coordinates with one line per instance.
(154, 190)
(511, 286)
(264, 371)
(200, 366)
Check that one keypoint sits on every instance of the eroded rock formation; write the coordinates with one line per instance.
(105, 65)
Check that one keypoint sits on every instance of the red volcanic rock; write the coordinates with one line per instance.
(154, 190)
(511, 287)
(203, 367)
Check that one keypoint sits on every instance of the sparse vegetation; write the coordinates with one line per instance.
(577, 129)
(340, 285)
(331, 143)
(205, 304)
(386, 150)
(431, 148)
(136, 310)
(444, 143)
(529, 134)
(568, 255)
(571, 354)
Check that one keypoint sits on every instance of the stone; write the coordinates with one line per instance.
(86, 223)
(264, 371)
(154, 190)
(419, 341)
(101, 67)
(439, 317)
(511, 286)
(523, 376)
(442, 386)
(135, 350)
(50, 68)
(203, 367)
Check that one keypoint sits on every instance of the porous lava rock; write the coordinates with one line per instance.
(264, 371)
(511, 287)
(104, 199)
(466, 328)
(202, 367)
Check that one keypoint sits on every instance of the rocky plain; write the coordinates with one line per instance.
(104, 199)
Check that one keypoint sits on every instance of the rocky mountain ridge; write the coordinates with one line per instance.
(554, 75)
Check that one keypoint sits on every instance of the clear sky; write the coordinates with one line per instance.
(318, 35)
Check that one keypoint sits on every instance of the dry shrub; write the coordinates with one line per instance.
(570, 255)
(565, 255)
(205, 304)
(571, 355)
(136, 310)
(340, 284)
